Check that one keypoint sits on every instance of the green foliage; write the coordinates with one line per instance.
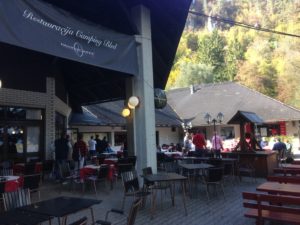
(263, 61)
(192, 73)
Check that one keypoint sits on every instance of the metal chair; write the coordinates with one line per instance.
(100, 176)
(29, 168)
(246, 168)
(213, 176)
(130, 218)
(131, 186)
(6, 172)
(15, 199)
(81, 221)
(32, 182)
(67, 176)
(153, 187)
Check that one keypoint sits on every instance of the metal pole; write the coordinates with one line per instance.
(214, 121)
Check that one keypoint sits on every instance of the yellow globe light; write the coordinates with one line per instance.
(125, 112)
(133, 102)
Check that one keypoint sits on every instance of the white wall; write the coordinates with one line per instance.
(167, 136)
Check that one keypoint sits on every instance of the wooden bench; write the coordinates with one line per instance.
(285, 179)
(286, 171)
(278, 208)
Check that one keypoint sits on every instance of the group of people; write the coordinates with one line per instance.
(78, 153)
(215, 145)
(201, 145)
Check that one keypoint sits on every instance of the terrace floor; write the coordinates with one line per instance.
(216, 211)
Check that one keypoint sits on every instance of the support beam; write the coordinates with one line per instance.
(141, 125)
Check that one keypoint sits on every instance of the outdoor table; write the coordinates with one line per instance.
(194, 168)
(290, 166)
(61, 207)
(168, 177)
(280, 188)
(20, 217)
(11, 183)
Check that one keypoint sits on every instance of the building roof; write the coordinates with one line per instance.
(228, 98)
(109, 114)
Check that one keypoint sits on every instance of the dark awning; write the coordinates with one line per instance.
(86, 82)
(42, 27)
(244, 117)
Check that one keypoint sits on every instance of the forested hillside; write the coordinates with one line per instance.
(253, 42)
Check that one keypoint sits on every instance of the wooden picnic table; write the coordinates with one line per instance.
(280, 188)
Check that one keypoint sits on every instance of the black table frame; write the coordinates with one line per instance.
(168, 177)
(61, 207)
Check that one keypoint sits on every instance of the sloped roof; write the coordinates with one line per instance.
(227, 98)
(109, 114)
(242, 116)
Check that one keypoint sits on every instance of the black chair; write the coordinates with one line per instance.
(15, 199)
(130, 218)
(132, 160)
(48, 168)
(100, 176)
(124, 167)
(29, 168)
(215, 162)
(246, 168)
(122, 161)
(160, 157)
(171, 167)
(213, 176)
(131, 186)
(32, 182)
(81, 221)
(68, 176)
(153, 187)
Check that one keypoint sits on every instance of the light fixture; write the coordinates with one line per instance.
(0, 83)
(186, 126)
(207, 117)
(126, 112)
(133, 102)
(220, 117)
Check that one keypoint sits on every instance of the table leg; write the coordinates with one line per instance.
(92, 215)
(173, 193)
(183, 196)
(153, 203)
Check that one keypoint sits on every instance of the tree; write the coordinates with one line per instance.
(191, 73)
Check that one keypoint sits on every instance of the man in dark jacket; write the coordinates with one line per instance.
(61, 153)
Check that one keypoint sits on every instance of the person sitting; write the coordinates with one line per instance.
(109, 149)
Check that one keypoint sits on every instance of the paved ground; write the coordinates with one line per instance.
(216, 211)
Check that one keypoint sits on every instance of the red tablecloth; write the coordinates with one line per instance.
(19, 168)
(13, 184)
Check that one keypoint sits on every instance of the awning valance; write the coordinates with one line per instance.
(39, 26)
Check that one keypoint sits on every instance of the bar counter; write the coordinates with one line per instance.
(263, 161)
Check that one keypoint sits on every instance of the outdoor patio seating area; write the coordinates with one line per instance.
(197, 204)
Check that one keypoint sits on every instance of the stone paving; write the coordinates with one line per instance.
(216, 211)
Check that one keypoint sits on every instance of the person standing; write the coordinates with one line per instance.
(61, 149)
(92, 146)
(280, 147)
(103, 145)
(98, 143)
(217, 144)
(80, 151)
(200, 144)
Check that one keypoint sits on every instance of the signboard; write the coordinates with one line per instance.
(39, 26)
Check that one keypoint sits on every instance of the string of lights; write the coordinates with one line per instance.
(235, 23)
